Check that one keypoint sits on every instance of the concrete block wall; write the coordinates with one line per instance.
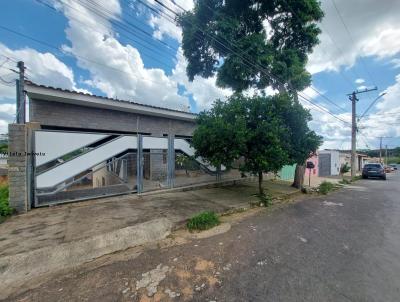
(158, 164)
(17, 163)
(67, 115)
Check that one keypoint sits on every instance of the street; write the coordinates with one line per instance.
(341, 247)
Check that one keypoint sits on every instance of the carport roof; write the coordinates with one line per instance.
(48, 93)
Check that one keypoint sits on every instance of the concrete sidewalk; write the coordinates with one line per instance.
(47, 239)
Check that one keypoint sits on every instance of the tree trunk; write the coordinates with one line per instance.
(260, 179)
(299, 176)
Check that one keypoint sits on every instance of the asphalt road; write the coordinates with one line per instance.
(341, 247)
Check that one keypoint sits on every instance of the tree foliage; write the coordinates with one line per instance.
(261, 129)
(232, 39)
(253, 44)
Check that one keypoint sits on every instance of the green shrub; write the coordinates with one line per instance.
(4, 207)
(325, 187)
(345, 168)
(203, 221)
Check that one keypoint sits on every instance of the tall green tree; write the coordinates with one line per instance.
(243, 127)
(301, 141)
(254, 44)
(244, 42)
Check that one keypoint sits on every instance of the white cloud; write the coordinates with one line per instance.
(374, 27)
(396, 63)
(391, 100)
(164, 24)
(116, 69)
(43, 68)
(359, 81)
(204, 91)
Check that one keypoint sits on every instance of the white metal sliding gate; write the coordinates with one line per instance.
(75, 166)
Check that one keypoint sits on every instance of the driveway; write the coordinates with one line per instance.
(341, 247)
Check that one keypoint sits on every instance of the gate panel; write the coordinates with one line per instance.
(324, 164)
(92, 165)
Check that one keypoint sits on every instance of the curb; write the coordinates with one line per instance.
(19, 268)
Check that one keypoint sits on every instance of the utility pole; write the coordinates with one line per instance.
(353, 99)
(380, 150)
(386, 155)
(353, 133)
(20, 114)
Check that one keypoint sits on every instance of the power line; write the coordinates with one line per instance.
(59, 49)
(155, 51)
(104, 13)
(351, 38)
(256, 65)
(311, 87)
(340, 72)
(372, 104)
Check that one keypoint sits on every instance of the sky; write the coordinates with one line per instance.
(124, 49)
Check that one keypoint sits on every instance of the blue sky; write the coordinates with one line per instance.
(138, 59)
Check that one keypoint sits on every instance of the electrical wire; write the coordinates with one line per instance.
(154, 50)
(351, 38)
(78, 56)
(266, 72)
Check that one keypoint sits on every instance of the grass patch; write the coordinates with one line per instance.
(203, 221)
(345, 181)
(325, 187)
(355, 178)
(5, 209)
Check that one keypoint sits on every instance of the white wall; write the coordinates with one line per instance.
(335, 160)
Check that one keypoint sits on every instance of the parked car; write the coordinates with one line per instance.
(374, 170)
(388, 169)
(394, 166)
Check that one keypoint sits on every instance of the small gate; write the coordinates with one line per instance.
(324, 164)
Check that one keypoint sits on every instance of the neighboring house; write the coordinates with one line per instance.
(345, 158)
(328, 163)
(314, 171)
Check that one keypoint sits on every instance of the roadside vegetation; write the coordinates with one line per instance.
(203, 221)
(345, 181)
(265, 132)
(325, 187)
(5, 209)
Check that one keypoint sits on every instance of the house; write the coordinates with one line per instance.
(345, 158)
(83, 146)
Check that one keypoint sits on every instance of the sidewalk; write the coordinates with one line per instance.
(49, 239)
(316, 180)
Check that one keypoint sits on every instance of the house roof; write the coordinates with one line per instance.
(49, 93)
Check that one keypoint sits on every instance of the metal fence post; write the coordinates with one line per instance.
(171, 161)
(139, 164)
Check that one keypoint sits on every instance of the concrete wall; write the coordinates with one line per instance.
(17, 163)
(66, 115)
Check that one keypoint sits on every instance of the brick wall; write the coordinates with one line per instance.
(66, 115)
(17, 167)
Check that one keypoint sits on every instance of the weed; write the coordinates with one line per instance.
(5, 209)
(325, 187)
(203, 221)
(355, 178)
(345, 181)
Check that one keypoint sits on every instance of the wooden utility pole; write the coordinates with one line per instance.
(20, 114)
(353, 99)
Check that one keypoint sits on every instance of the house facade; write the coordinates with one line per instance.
(78, 146)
